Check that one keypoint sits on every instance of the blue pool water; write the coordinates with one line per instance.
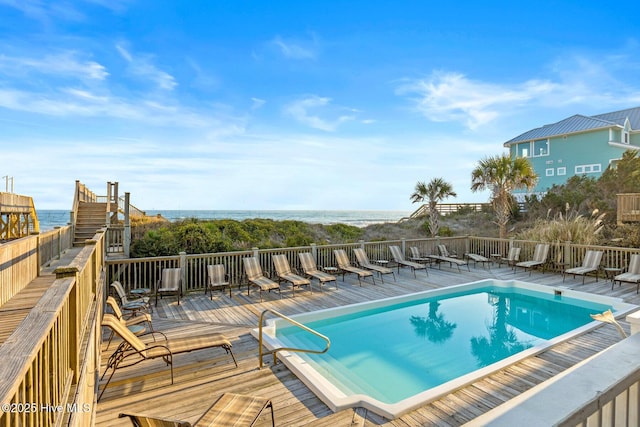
(397, 351)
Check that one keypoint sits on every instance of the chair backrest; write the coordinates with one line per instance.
(442, 249)
(252, 267)
(362, 257)
(341, 258)
(281, 263)
(171, 278)
(541, 252)
(634, 264)
(112, 322)
(415, 252)
(117, 286)
(307, 261)
(396, 254)
(216, 274)
(111, 302)
(592, 259)
(514, 254)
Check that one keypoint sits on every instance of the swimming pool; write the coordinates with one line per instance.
(393, 355)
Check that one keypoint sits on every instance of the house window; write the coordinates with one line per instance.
(561, 171)
(625, 137)
(523, 149)
(583, 169)
(549, 172)
(541, 148)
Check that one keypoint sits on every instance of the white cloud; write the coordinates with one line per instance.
(257, 103)
(65, 64)
(142, 66)
(301, 110)
(296, 49)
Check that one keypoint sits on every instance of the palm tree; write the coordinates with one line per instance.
(502, 175)
(435, 192)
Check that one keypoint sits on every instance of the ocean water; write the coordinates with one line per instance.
(53, 218)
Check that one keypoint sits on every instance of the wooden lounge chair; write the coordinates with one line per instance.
(229, 410)
(590, 263)
(513, 256)
(444, 256)
(363, 261)
(311, 270)
(401, 262)
(345, 267)
(133, 305)
(284, 272)
(540, 255)
(256, 278)
(170, 283)
(632, 275)
(217, 279)
(133, 350)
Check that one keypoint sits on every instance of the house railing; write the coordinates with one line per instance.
(50, 363)
(628, 208)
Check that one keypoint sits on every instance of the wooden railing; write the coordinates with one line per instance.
(18, 216)
(628, 208)
(50, 363)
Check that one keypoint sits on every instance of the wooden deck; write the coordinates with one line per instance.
(203, 375)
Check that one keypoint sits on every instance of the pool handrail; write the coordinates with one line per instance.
(276, 350)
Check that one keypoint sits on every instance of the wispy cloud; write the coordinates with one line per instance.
(574, 80)
(296, 49)
(257, 103)
(142, 66)
(66, 63)
(306, 111)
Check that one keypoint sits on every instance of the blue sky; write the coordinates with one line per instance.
(293, 104)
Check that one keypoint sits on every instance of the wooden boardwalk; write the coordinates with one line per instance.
(203, 375)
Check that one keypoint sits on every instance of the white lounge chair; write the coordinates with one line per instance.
(590, 263)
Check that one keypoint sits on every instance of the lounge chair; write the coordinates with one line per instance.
(170, 283)
(138, 323)
(513, 256)
(217, 279)
(311, 270)
(132, 304)
(476, 258)
(632, 275)
(417, 257)
(284, 272)
(540, 255)
(590, 263)
(256, 278)
(133, 350)
(444, 256)
(229, 410)
(345, 267)
(401, 262)
(363, 261)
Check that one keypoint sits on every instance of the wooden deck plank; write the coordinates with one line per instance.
(203, 375)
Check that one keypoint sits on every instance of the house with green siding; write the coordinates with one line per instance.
(577, 145)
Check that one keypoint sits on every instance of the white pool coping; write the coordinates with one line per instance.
(338, 400)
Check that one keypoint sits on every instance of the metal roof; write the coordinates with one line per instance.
(580, 123)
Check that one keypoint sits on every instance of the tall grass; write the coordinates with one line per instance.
(567, 227)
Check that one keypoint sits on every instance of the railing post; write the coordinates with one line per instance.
(255, 252)
(361, 244)
(566, 258)
(75, 320)
(183, 271)
(314, 251)
(403, 246)
(127, 225)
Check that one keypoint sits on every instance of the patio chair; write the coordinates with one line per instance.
(513, 256)
(134, 322)
(590, 263)
(363, 261)
(445, 256)
(417, 257)
(345, 267)
(255, 277)
(133, 350)
(217, 279)
(540, 255)
(401, 262)
(632, 275)
(170, 283)
(311, 270)
(284, 272)
(476, 258)
(229, 410)
(130, 305)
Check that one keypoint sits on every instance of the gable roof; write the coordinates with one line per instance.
(580, 123)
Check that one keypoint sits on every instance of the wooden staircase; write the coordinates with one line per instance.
(90, 218)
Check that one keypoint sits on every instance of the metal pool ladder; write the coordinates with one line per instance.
(293, 322)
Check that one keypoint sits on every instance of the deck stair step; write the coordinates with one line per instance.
(90, 218)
